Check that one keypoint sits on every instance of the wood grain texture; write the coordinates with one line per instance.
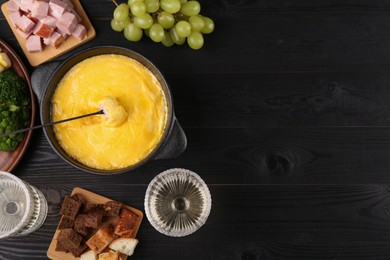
(339, 216)
(246, 156)
(285, 93)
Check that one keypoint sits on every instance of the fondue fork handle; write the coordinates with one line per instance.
(51, 123)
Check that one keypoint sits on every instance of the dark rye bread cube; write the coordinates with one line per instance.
(79, 225)
(88, 206)
(93, 218)
(69, 239)
(80, 198)
(70, 207)
(60, 247)
(112, 208)
(65, 223)
(76, 252)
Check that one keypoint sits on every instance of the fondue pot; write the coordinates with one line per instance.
(46, 78)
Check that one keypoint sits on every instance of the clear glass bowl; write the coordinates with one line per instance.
(23, 208)
(177, 202)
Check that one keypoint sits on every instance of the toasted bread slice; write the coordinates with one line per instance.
(89, 255)
(110, 255)
(101, 239)
(124, 245)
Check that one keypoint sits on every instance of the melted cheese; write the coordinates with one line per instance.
(91, 140)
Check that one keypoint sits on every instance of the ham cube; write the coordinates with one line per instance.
(79, 32)
(43, 30)
(67, 23)
(79, 19)
(25, 24)
(23, 34)
(46, 41)
(56, 40)
(50, 21)
(13, 5)
(69, 5)
(40, 9)
(56, 8)
(14, 17)
(26, 5)
(34, 44)
(64, 34)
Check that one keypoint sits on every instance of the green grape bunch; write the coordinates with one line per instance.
(167, 21)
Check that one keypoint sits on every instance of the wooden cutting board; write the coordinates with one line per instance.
(96, 199)
(49, 52)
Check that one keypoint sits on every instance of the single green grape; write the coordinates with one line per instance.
(121, 12)
(166, 20)
(196, 22)
(156, 32)
(167, 41)
(125, 22)
(208, 25)
(195, 40)
(190, 8)
(138, 8)
(132, 32)
(152, 5)
(170, 6)
(130, 2)
(175, 37)
(183, 29)
(143, 21)
(116, 26)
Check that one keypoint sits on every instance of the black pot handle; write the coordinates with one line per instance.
(40, 78)
(176, 143)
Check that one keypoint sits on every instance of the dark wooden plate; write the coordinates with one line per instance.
(9, 160)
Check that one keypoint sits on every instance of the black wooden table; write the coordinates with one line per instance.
(287, 114)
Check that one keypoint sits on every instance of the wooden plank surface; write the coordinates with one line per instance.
(287, 117)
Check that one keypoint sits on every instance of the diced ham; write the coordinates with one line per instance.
(56, 39)
(46, 41)
(34, 44)
(23, 34)
(26, 5)
(25, 24)
(40, 9)
(13, 5)
(69, 5)
(57, 8)
(43, 30)
(29, 16)
(50, 21)
(64, 34)
(79, 19)
(14, 17)
(67, 23)
(79, 32)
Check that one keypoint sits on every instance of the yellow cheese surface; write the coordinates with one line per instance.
(91, 140)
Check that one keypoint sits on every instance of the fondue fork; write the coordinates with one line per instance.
(100, 112)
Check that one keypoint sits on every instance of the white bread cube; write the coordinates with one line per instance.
(124, 245)
(89, 255)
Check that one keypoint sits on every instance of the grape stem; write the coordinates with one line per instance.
(115, 2)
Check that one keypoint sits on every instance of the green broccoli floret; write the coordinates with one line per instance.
(14, 109)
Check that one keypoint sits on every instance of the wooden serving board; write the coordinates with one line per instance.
(92, 198)
(49, 52)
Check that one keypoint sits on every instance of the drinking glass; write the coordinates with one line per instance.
(23, 208)
(177, 202)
